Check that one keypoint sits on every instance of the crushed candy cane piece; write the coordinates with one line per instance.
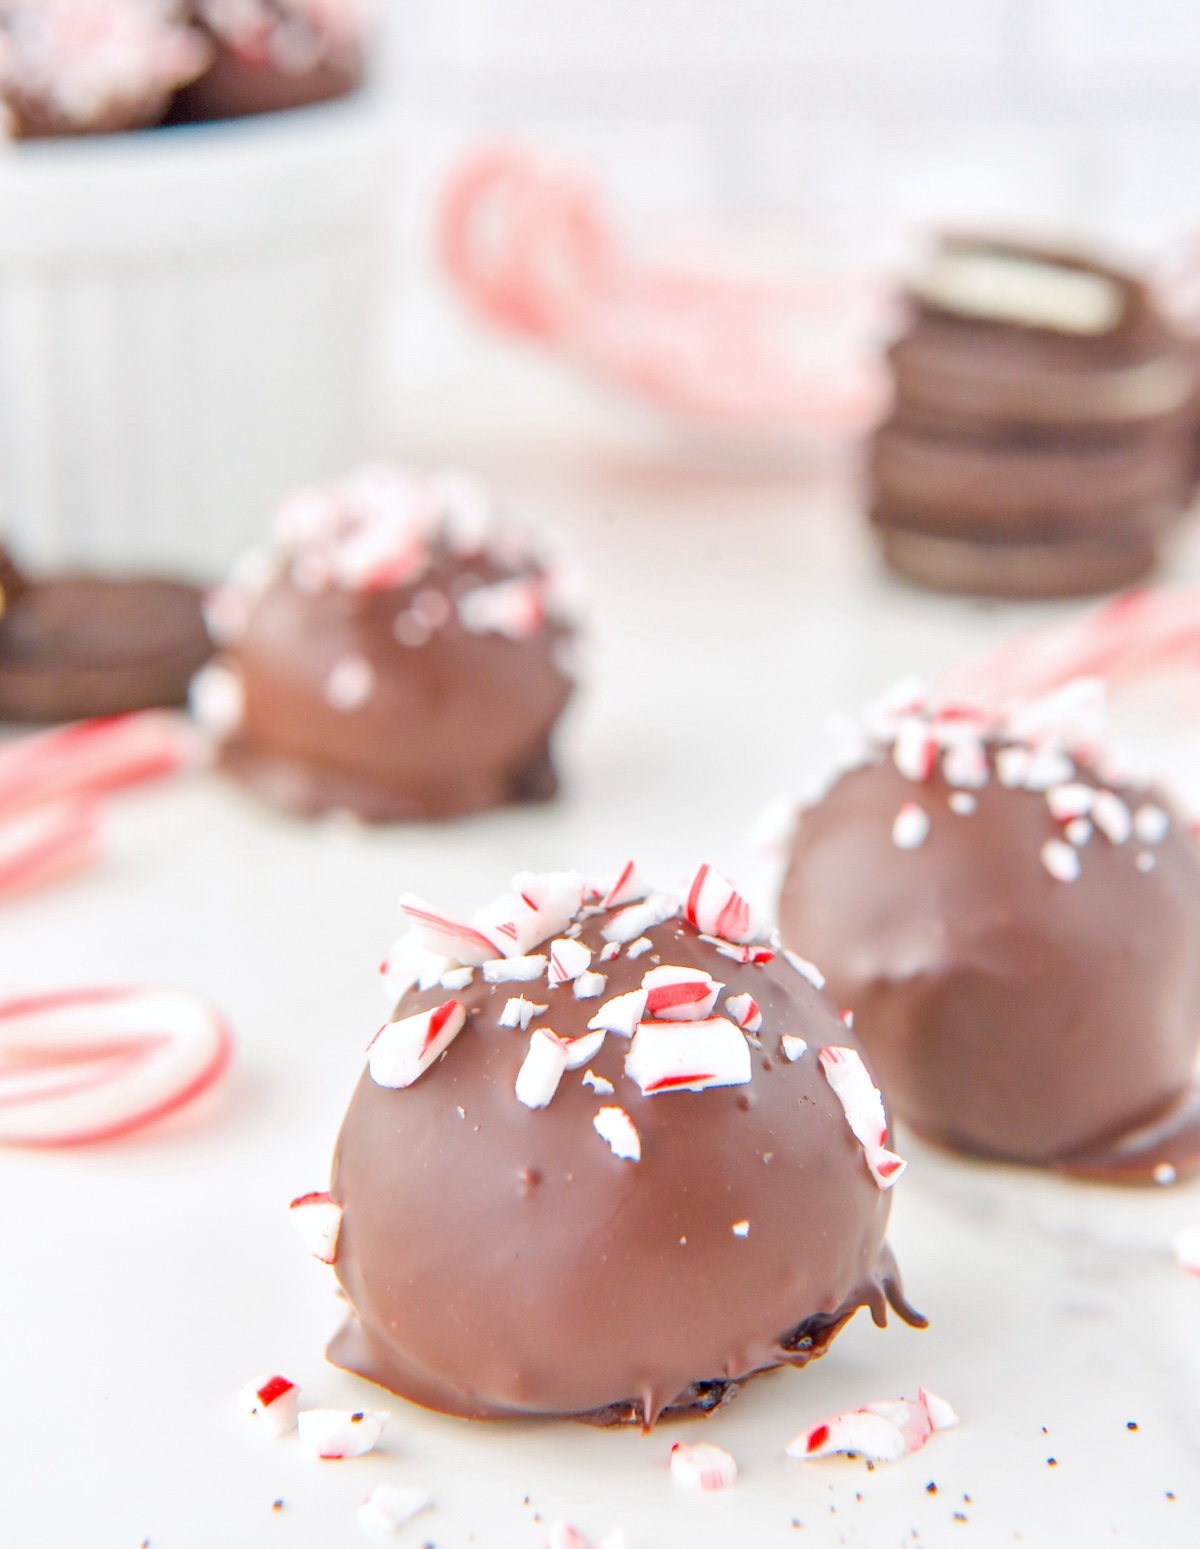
(1144, 861)
(542, 1068)
(745, 1012)
(340, 1433)
(621, 1014)
(568, 959)
(701, 1466)
(881, 1432)
(389, 1507)
(589, 985)
(350, 683)
(456, 978)
(519, 1012)
(580, 1050)
(627, 889)
(859, 1432)
(679, 994)
(1048, 766)
(911, 827)
(1150, 824)
(741, 1228)
(541, 905)
(941, 1414)
(407, 963)
(402, 1051)
(716, 907)
(272, 1402)
(318, 1219)
(965, 764)
(1112, 816)
(793, 1047)
(638, 918)
(914, 751)
(515, 970)
(742, 952)
(609, 951)
(598, 1084)
(618, 1131)
(687, 1056)
(1013, 765)
(43, 845)
(863, 1106)
(805, 969)
(217, 700)
(438, 932)
(1060, 860)
(78, 1066)
(1078, 831)
(515, 608)
(637, 948)
(907, 696)
(563, 1536)
(962, 803)
(1186, 1243)
(1073, 800)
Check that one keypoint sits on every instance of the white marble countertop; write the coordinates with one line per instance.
(146, 1280)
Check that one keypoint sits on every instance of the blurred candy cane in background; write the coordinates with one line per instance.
(532, 249)
(1138, 636)
(51, 782)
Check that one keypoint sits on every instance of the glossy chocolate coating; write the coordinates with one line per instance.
(79, 646)
(457, 724)
(503, 1262)
(1009, 1014)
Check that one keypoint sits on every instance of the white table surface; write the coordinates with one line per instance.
(146, 1280)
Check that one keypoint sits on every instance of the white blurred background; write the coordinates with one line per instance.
(848, 129)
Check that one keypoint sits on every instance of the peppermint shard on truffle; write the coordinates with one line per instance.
(521, 1161)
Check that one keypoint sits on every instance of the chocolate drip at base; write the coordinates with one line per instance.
(1162, 1150)
(354, 1350)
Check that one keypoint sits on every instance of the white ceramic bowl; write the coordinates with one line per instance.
(185, 317)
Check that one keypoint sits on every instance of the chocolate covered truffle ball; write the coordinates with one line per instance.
(393, 654)
(269, 55)
(1017, 929)
(613, 1154)
(94, 66)
(1041, 434)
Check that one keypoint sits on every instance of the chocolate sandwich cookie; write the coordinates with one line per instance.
(1017, 928)
(612, 1156)
(73, 647)
(1040, 440)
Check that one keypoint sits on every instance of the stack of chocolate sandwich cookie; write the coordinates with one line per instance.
(1040, 439)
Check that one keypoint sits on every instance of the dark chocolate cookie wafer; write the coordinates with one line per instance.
(1040, 440)
(81, 646)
